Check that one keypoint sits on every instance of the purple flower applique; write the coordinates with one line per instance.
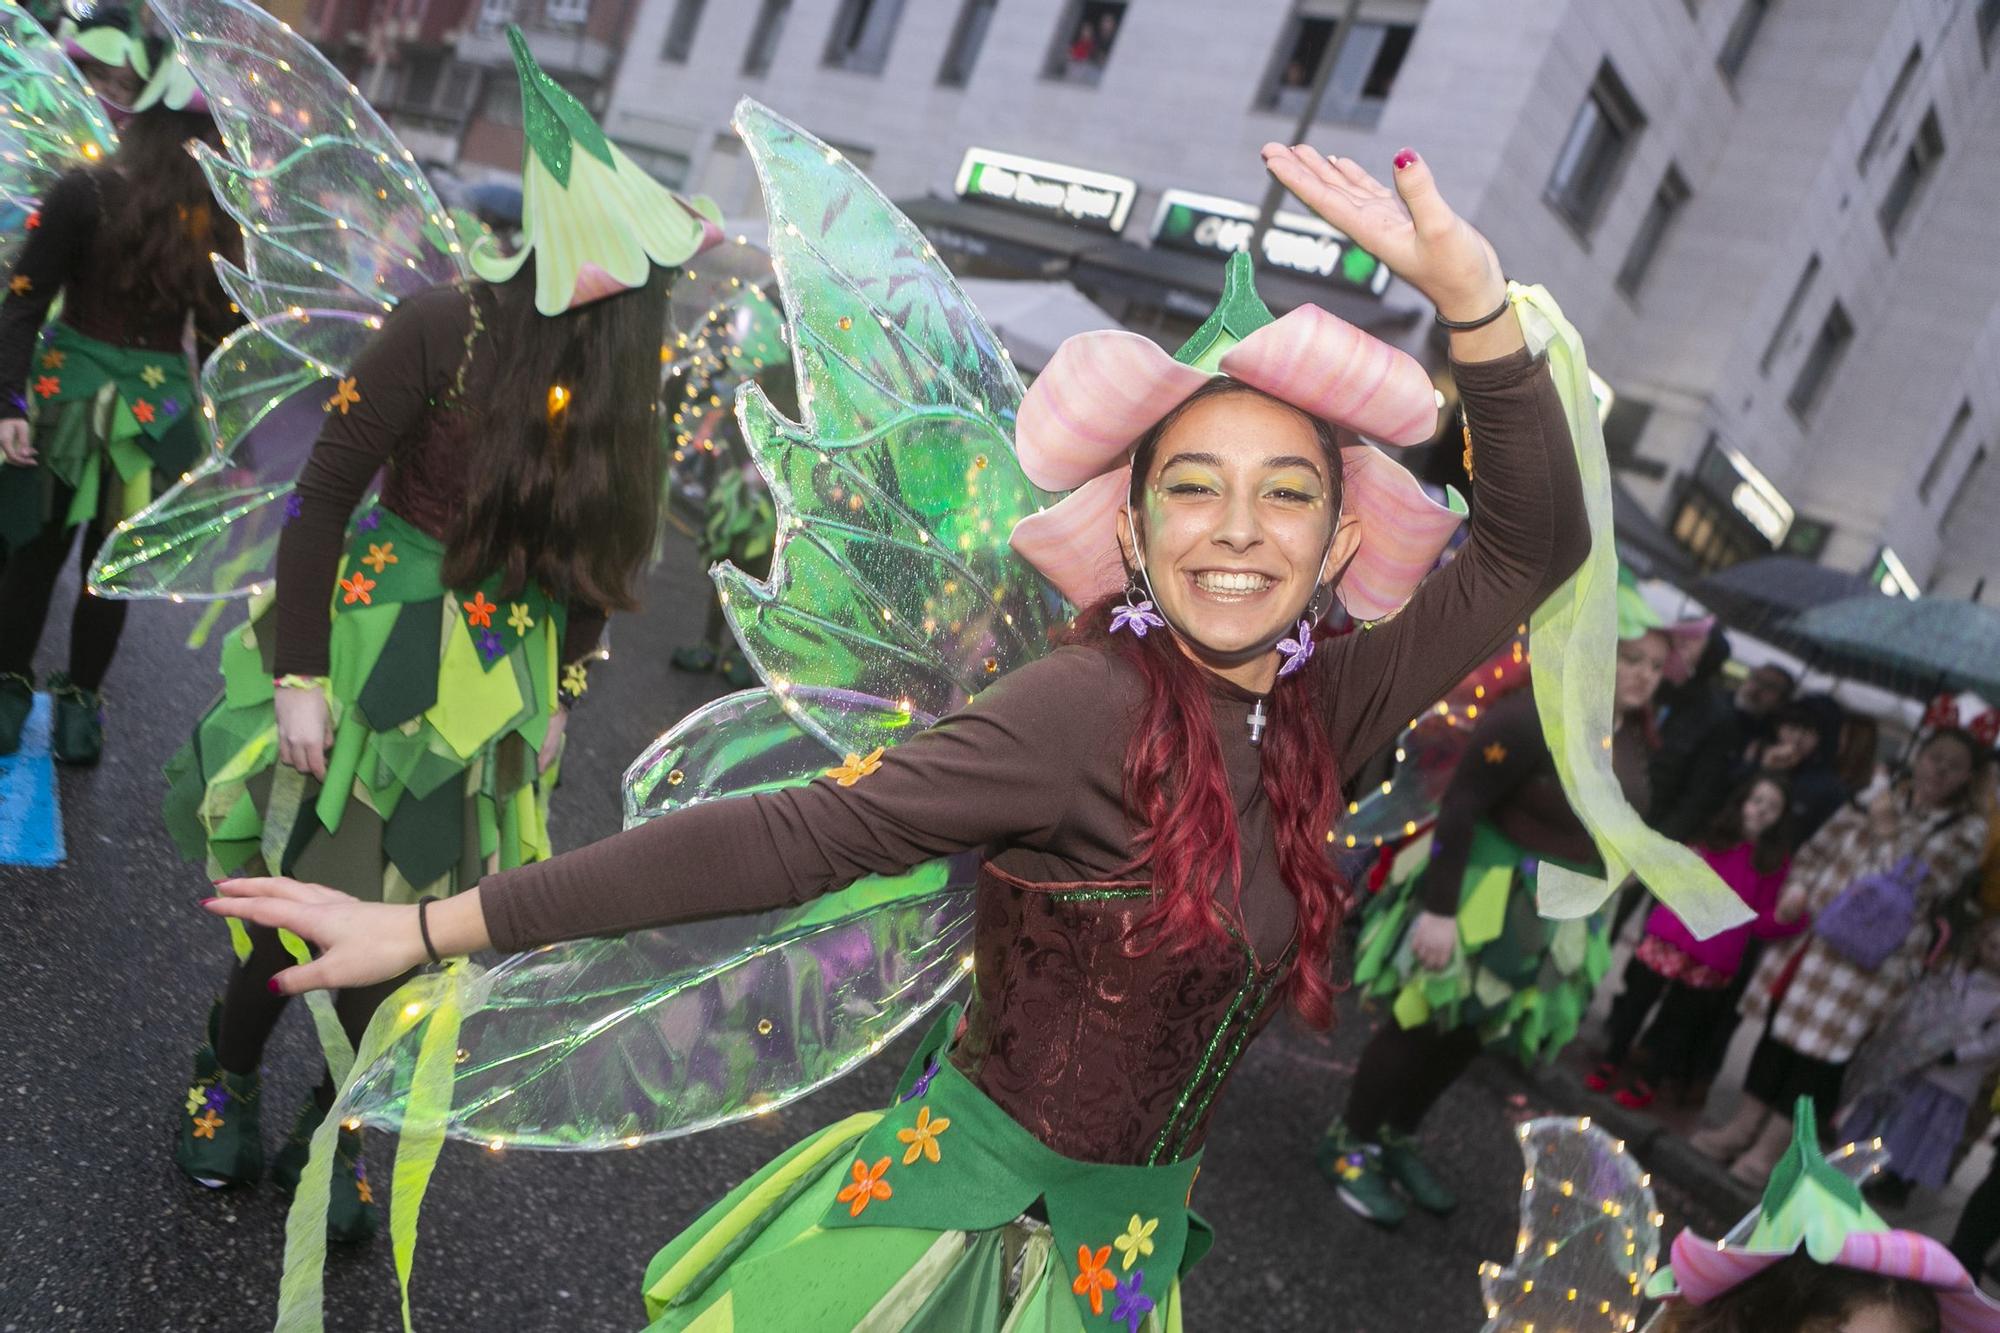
(171, 406)
(922, 1086)
(1138, 619)
(1296, 651)
(218, 1097)
(370, 521)
(489, 646)
(294, 506)
(1133, 1305)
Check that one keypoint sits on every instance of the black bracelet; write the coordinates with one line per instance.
(424, 926)
(1468, 325)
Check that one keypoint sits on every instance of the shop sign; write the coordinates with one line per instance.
(1729, 476)
(1892, 576)
(1297, 242)
(1050, 189)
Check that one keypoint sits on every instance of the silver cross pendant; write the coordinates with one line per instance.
(1257, 721)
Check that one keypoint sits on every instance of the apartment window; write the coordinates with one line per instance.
(1594, 153)
(680, 31)
(1946, 448)
(1835, 333)
(460, 82)
(1800, 290)
(967, 36)
(764, 37)
(1084, 40)
(1660, 214)
(495, 14)
(1966, 485)
(1363, 72)
(1885, 119)
(569, 13)
(1742, 33)
(862, 31)
(420, 80)
(1918, 166)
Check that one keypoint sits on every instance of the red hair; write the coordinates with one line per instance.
(1177, 791)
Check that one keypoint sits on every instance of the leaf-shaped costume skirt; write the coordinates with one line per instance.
(114, 425)
(1523, 981)
(941, 1213)
(440, 701)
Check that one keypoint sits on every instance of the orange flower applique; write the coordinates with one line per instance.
(54, 358)
(1495, 753)
(479, 611)
(868, 1186)
(206, 1124)
(142, 412)
(857, 767)
(923, 1138)
(21, 285)
(361, 1189)
(356, 589)
(1093, 1277)
(48, 386)
(344, 397)
(380, 555)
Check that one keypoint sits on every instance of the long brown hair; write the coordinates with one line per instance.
(1773, 845)
(1796, 1295)
(1177, 787)
(567, 488)
(156, 234)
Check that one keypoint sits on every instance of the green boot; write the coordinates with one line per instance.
(1355, 1168)
(79, 729)
(350, 1212)
(219, 1143)
(698, 657)
(17, 700)
(1400, 1161)
(737, 673)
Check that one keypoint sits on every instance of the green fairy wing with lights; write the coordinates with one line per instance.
(338, 225)
(50, 123)
(892, 599)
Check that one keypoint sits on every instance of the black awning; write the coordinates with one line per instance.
(1190, 285)
(1041, 247)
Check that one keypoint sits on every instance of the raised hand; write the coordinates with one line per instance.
(1411, 229)
(358, 943)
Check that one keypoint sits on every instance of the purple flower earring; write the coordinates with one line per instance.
(1135, 615)
(1296, 651)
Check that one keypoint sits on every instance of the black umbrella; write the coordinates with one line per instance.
(1760, 596)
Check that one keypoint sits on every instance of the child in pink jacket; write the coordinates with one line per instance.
(1686, 978)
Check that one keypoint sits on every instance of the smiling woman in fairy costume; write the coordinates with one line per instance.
(1152, 801)
(405, 744)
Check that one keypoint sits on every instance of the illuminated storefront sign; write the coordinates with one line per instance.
(1727, 475)
(1298, 242)
(1050, 189)
(1892, 576)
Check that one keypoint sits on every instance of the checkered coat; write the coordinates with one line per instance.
(1832, 1005)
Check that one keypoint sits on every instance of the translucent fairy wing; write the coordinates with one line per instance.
(214, 533)
(334, 211)
(1589, 1233)
(606, 1043)
(50, 122)
(897, 489)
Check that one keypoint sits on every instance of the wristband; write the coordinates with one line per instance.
(1468, 325)
(290, 682)
(424, 926)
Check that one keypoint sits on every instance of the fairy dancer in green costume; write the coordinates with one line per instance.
(1036, 1168)
(391, 719)
(1455, 948)
(97, 405)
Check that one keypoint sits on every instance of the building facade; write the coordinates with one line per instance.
(1772, 219)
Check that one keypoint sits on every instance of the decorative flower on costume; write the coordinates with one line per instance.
(575, 679)
(143, 412)
(1093, 1276)
(922, 1087)
(1496, 753)
(857, 767)
(356, 589)
(1132, 1305)
(489, 645)
(595, 223)
(345, 395)
(153, 376)
(922, 1138)
(21, 284)
(1137, 1242)
(866, 1187)
(370, 521)
(294, 506)
(196, 1100)
(53, 358)
(518, 618)
(361, 1188)
(380, 556)
(479, 611)
(206, 1124)
(48, 386)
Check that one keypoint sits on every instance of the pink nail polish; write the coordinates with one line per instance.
(272, 986)
(1404, 158)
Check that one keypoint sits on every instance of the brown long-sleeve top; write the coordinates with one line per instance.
(1508, 778)
(59, 259)
(416, 382)
(1030, 772)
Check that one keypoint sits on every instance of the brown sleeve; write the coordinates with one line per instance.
(1528, 534)
(990, 774)
(49, 260)
(1505, 748)
(412, 358)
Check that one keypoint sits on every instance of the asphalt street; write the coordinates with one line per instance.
(108, 967)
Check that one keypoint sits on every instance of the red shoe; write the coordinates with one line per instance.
(1601, 1078)
(1637, 1097)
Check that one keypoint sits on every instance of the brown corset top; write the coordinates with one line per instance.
(1104, 1054)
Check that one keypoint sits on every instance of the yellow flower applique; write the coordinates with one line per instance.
(857, 767)
(1137, 1242)
(922, 1138)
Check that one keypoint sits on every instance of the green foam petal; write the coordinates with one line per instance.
(1575, 637)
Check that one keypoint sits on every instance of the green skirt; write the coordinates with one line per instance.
(1523, 981)
(939, 1214)
(440, 703)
